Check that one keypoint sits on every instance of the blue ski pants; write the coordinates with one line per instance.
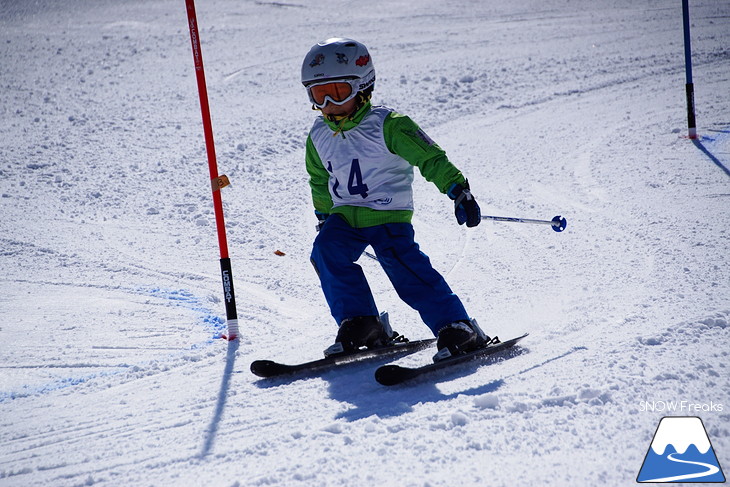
(338, 246)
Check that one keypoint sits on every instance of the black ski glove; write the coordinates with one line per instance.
(466, 208)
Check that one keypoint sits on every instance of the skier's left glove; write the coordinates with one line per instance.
(321, 218)
(466, 208)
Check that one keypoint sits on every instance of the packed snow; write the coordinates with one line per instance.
(110, 295)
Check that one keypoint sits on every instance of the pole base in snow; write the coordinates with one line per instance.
(232, 333)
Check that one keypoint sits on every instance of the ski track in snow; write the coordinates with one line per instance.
(110, 295)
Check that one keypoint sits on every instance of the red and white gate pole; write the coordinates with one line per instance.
(217, 182)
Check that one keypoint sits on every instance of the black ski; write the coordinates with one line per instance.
(389, 375)
(269, 368)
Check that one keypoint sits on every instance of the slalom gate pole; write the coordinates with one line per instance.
(217, 182)
(558, 223)
(689, 87)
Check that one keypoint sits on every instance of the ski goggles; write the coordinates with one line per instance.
(337, 92)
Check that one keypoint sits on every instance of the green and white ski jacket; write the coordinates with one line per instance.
(362, 167)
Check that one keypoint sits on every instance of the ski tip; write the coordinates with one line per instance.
(264, 368)
(390, 375)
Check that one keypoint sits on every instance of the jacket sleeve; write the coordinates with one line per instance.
(405, 138)
(318, 179)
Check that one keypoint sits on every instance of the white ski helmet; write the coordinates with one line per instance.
(337, 59)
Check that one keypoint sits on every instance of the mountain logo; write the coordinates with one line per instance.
(681, 452)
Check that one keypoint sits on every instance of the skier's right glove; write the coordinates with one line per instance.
(466, 208)
(321, 218)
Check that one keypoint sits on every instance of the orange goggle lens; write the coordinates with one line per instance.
(337, 92)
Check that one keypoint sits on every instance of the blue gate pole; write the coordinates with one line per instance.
(689, 87)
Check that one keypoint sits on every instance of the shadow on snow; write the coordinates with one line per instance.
(212, 430)
(359, 389)
(709, 154)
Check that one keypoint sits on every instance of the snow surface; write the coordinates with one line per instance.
(110, 293)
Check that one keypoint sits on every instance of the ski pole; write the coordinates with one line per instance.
(218, 182)
(689, 86)
(558, 223)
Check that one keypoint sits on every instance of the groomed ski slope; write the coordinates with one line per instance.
(110, 295)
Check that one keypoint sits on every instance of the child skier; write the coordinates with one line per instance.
(360, 162)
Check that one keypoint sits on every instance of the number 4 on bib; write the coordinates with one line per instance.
(354, 182)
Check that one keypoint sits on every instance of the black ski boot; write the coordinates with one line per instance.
(361, 331)
(460, 337)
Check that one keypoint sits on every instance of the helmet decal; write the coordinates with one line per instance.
(342, 58)
(318, 60)
(363, 60)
